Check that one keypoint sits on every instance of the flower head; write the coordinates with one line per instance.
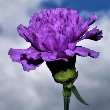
(53, 34)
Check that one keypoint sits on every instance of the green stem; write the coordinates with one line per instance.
(66, 103)
(66, 96)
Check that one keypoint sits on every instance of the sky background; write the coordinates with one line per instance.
(36, 90)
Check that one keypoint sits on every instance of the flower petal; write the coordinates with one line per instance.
(38, 42)
(71, 46)
(62, 56)
(55, 43)
(48, 56)
(31, 36)
(29, 58)
(75, 17)
(92, 19)
(94, 34)
(53, 57)
(63, 42)
(69, 52)
(23, 32)
(82, 51)
(51, 43)
(79, 31)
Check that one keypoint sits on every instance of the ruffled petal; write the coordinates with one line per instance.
(71, 46)
(82, 51)
(92, 19)
(31, 36)
(69, 52)
(48, 56)
(51, 43)
(94, 34)
(74, 17)
(80, 21)
(29, 58)
(63, 42)
(53, 57)
(62, 56)
(79, 31)
(55, 43)
(23, 32)
(37, 38)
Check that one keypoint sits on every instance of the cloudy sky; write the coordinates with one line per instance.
(36, 90)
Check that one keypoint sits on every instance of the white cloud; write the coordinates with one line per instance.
(14, 12)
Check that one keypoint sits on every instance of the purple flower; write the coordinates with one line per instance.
(53, 34)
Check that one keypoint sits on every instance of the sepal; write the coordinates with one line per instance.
(77, 95)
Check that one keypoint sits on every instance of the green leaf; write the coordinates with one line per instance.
(77, 95)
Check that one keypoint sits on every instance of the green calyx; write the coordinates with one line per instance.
(66, 76)
(66, 92)
(63, 72)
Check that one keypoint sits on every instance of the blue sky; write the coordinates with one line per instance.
(37, 90)
(90, 5)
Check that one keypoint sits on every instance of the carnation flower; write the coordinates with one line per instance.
(53, 34)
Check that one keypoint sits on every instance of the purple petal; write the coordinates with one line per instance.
(55, 43)
(79, 31)
(63, 42)
(82, 51)
(29, 58)
(62, 56)
(68, 31)
(92, 19)
(69, 52)
(26, 34)
(15, 54)
(48, 56)
(94, 34)
(53, 57)
(23, 32)
(81, 21)
(51, 43)
(71, 46)
(75, 16)
(38, 42)
(31, 36)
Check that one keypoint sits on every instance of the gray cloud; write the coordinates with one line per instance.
(1, 30)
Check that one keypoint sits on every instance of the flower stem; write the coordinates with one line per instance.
(66, 96)
(66, 103)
